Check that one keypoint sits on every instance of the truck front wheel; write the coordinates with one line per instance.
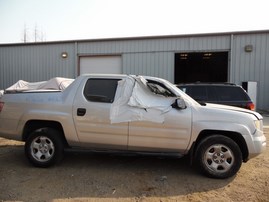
(218, 156)
(44, 147)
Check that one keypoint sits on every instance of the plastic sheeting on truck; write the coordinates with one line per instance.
(57, 83)
(134, 101)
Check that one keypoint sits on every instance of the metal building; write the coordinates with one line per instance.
(223, 57)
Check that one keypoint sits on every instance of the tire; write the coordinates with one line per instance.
(44, 147)
(218, 156)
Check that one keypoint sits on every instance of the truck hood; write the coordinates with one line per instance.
(238, 109)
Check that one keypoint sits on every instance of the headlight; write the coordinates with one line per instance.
(258, 124)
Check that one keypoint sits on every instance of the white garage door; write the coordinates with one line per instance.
(101, 64)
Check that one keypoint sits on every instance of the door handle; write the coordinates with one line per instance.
(81, 111)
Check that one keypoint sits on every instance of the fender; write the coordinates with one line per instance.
(201, 126)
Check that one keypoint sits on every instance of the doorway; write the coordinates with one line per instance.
(201, 67)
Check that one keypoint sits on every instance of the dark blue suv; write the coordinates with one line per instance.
(224, 93)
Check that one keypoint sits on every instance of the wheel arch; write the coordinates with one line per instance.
(33, 125)
(235, 136)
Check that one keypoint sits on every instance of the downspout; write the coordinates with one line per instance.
(231, 69)
(76, 60)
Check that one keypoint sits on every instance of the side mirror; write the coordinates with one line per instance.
(179, 104)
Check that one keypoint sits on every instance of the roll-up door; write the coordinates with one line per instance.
(100, 64)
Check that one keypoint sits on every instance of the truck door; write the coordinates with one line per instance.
(91, 112)
(172, 135)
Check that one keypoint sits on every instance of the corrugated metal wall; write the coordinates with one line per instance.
(252, 66)
(156, 45)
(147, 56)
(159, 64)
(154, 57)
(35, 63)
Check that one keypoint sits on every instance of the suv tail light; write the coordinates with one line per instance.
(250, 106)
(1, 106)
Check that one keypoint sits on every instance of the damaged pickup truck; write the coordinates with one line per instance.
(134, 114)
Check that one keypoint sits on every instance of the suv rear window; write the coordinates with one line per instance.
(233, 93)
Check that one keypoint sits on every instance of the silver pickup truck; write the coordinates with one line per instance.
(134, 114)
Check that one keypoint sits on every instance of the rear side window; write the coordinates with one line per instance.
(101, 90)
(226, 93)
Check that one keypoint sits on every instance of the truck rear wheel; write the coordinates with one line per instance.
(44, 147)
(218, 156)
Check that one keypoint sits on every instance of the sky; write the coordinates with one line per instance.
(60, 20)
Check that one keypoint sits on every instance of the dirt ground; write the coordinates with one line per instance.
(84, 176)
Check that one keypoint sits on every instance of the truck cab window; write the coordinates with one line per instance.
(100, 90)
(159, 89)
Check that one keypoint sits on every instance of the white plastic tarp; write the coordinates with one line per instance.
(134, 101)
(57, 83)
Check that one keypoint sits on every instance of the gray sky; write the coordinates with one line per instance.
(56, 20)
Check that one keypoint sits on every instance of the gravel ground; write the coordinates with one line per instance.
(84, 176)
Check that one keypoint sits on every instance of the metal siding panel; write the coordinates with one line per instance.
(159, 64)
(252, 66)
(153, 45)
(263, 95)
(35, 63)
(209, 43)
